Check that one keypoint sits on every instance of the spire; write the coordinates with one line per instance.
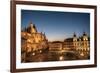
(32, 27)
(31, 24)
(74, 34)
(84, 34)
(44, 36)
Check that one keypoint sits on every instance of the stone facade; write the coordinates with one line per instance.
(75, 43)
(32, 40)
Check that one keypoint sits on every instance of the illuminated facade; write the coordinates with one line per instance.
(32, 40)
(75, 43)
(55, 46)
(78, 43)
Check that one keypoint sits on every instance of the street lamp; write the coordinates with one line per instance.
(61, 58)
(33, 53)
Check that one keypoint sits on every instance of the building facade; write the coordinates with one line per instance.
(55, 46)
(81, 43)
(78, 43)
(32, 40)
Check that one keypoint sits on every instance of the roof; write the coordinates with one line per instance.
(57, 42)
(82, 38)
(68, 40)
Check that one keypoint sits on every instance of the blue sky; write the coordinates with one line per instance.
(57, 25)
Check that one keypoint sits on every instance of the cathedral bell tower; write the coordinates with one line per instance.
(32, 28)
(74, 37)
(85, 37)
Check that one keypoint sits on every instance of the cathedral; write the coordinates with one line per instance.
(32, 40)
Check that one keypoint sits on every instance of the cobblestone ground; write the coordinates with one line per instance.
(53, 56)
